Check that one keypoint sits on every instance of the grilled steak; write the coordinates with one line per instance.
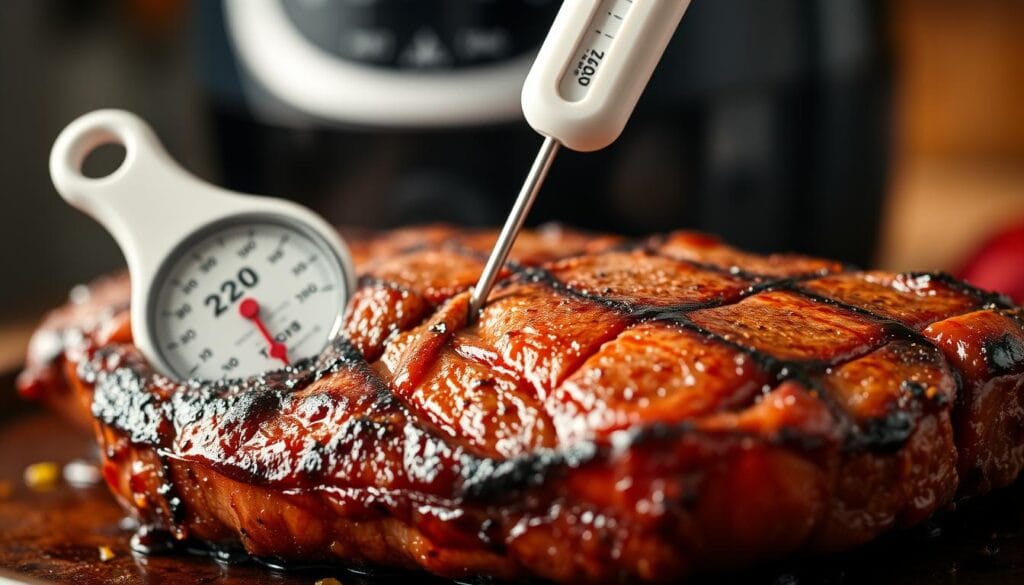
(636, 410)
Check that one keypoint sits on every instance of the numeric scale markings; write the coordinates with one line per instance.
(616, 17)
(607, 22)
(195, 339)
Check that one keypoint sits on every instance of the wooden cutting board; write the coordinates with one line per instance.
(55, 536)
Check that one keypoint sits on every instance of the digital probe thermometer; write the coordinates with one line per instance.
(582, 89)
(223, 284)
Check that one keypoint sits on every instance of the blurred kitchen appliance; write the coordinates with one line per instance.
(766, 123)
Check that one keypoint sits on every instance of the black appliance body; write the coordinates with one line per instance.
(767, 123)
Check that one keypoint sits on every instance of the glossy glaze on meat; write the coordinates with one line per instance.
(622, 410)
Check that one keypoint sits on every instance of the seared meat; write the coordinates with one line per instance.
(621, 410)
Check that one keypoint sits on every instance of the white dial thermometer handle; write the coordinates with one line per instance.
(593, 67)
(151, 205)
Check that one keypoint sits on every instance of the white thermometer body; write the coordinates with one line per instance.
(593, 67)
(582, 89)
(223, 284)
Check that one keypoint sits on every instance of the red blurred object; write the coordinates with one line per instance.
(999, 264)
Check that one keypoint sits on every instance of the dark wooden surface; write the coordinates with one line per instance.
(54, 536)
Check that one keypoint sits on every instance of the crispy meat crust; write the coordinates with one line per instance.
(621, 410)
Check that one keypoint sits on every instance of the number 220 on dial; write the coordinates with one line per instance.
(246, 298)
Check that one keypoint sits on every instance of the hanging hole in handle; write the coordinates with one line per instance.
(94, 147)
(103, 160)
(83, 182)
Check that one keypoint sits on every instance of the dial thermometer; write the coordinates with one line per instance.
(582, 89)
(223, 284)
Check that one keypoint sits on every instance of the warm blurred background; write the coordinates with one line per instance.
(888, 133)
(958, 165)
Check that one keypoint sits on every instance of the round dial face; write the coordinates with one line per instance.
(246, 297)
(423, 34)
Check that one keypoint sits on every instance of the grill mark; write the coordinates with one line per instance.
(779, 369)
(883, 434)
(985, 298)
(653, 246)
(893, 330)
(896, 331)
(868, 435)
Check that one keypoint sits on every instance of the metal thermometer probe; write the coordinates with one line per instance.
(582, 89)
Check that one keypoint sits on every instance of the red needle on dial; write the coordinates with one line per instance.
(250, 309)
